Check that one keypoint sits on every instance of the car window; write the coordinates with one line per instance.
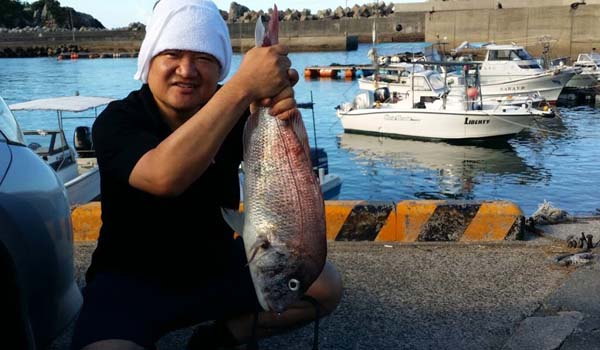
(8, 124)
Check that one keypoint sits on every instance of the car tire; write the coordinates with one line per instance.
(14, 322)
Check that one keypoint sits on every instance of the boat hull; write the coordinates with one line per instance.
(445, 125)
(84, 188)
(548, 85)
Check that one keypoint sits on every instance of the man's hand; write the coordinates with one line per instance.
(284, 104)
(264, 73)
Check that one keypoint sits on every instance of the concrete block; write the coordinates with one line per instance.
(544, 333)
(385, 221)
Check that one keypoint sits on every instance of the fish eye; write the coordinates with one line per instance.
(294, 285)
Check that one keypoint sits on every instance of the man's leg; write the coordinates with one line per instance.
(114, 344)
(326, 290)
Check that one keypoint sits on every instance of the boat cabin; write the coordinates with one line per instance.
(509, 59)
(588, 61)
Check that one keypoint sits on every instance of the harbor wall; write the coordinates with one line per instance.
(321, 35)
(568, 29)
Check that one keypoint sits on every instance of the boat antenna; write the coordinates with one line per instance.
(310, 105)
(375, 58)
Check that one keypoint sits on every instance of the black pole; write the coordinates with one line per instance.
(313, 118)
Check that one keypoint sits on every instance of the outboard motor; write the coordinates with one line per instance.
(318, 158)
(82, 141)
(382, 94)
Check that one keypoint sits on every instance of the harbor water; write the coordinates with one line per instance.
(558, 160)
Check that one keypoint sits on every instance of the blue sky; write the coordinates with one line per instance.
(119, 13)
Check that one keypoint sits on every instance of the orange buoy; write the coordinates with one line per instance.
(326, 73)
(472, 92)
(349, 73)
(74, 55)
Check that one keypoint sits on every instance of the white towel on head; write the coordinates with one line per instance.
(192, 25)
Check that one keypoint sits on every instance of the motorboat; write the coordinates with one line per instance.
(407, 79)
(590, 74)
(511, 70)
(461, 113)
(74, 164)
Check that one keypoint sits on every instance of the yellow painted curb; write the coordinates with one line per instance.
(405, 221)
(86, 222)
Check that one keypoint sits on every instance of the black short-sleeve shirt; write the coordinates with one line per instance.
(179, 240)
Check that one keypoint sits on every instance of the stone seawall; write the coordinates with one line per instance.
(323, 35)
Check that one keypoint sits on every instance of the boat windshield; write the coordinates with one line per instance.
(509, 55)
(8, 124)
(436, 81)
(46, 142)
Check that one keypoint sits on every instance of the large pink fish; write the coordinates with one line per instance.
(283, 226)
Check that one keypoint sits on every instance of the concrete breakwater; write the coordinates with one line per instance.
(321, 35)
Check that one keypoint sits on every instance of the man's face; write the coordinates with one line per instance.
(182, 81)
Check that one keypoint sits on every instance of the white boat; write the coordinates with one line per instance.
(459, 114)
(590, 74)
(510, 69)
(412, 81)
(76, 165)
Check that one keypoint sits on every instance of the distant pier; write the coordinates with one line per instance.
(334, 71)
(93, 55)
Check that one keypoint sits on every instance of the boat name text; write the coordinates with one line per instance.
(476, 122)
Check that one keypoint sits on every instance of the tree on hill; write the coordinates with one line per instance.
(12, 14)
(44, 13)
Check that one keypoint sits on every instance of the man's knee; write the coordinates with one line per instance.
(113, 344)
(327, 289)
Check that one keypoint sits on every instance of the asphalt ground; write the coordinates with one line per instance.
(507, 295)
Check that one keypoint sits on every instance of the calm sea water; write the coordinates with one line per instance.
(559, 161)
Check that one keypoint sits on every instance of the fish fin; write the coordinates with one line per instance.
(274, 26)
(235, 219)
(299, 129)
(261, 242)
(259, 32)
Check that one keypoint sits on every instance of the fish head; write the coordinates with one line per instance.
(281, 277)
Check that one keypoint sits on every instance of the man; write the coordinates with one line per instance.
(168, 157)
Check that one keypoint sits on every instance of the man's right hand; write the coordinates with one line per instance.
(263, 72)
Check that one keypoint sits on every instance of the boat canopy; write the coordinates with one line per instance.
(65, 104)
(427, 49)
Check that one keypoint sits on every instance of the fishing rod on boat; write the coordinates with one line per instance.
(310, 105)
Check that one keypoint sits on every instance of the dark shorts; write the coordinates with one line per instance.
(119, 307)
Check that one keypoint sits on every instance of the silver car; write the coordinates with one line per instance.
(39, 294)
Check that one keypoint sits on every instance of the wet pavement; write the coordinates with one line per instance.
(508, 295)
